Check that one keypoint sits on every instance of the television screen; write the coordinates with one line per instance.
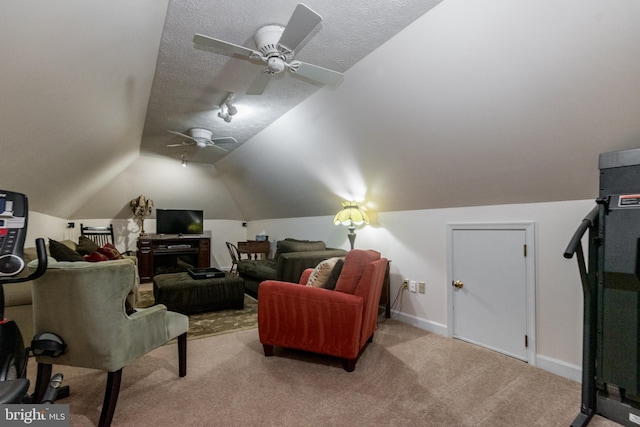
(179, 221)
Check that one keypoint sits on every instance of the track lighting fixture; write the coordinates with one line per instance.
(184, 160)
(231, 109)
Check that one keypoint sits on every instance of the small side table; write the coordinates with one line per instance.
(253, 248)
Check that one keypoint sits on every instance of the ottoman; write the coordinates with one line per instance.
(181, 293)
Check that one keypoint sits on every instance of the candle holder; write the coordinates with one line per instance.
(141, 207)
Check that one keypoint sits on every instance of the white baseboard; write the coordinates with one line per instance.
(560, 367)
(555, 366)
(427, 325)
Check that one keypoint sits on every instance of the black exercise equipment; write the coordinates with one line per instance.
(611, 288)
(13, 354)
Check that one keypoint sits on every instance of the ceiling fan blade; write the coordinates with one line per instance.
(202, 40)
(302, 22)
(210, 143)
(226, 144)
(319, 74)
(179, 134)
(184, 136)
(259, 84)
(224, 141)
(182, 144)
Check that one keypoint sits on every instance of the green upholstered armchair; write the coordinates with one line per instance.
(85, 304)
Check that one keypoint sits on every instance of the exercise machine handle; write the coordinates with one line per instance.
(41, 250)
(588, 222)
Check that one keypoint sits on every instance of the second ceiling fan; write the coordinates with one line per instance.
(276, 46)
(203, 138)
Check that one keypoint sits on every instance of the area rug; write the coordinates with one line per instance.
(215, 322)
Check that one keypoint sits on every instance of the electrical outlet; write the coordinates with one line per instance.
(412, 286)
(405, 284)
(421, 287)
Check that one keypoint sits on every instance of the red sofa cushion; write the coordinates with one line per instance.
(354, 265)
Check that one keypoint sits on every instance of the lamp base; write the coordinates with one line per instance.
(352, 236)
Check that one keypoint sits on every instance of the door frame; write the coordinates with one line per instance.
(530, 274)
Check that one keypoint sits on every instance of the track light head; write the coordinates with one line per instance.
(224, 116)
(231, 109)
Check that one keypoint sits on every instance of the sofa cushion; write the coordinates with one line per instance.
(110, 251)
(354, 265)
(321, 273)
(86, 246)
(294, 245)
(31, 253)
(262, 269)
(62, 252)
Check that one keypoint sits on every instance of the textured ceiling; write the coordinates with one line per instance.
(190, 82)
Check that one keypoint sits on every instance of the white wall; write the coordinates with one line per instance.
(415, 242)
(44, 226)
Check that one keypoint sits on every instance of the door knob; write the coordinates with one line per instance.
(457, 284)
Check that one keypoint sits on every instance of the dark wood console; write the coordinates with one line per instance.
(159, 254)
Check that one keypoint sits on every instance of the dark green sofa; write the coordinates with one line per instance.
(291, 259)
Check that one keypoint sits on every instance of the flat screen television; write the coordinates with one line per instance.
(179, 221)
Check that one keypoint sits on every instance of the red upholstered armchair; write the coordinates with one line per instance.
(335, 322)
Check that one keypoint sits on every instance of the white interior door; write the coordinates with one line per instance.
(489, 291)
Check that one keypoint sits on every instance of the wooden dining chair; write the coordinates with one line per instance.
(99, 235)
(235, 257)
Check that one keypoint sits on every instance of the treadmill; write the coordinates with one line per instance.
(610, 279)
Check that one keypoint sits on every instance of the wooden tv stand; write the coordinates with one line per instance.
(171, 252)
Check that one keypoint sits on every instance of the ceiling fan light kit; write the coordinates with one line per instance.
(276, 47)
(201, 135)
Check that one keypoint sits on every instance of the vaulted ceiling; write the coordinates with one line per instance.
(466, 103)
(191, 81)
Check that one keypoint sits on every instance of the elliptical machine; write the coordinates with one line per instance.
(13, 355)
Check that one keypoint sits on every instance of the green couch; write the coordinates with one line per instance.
(291, 259)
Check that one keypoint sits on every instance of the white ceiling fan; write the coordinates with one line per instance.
(276, 46)
(202, 138)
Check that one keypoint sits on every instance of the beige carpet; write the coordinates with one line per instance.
(406, 377)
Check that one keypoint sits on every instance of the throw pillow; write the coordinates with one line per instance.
(61, 252)
(86, 246)
(335, 273)
(95, 257)
(110, 251)
(321, 273)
